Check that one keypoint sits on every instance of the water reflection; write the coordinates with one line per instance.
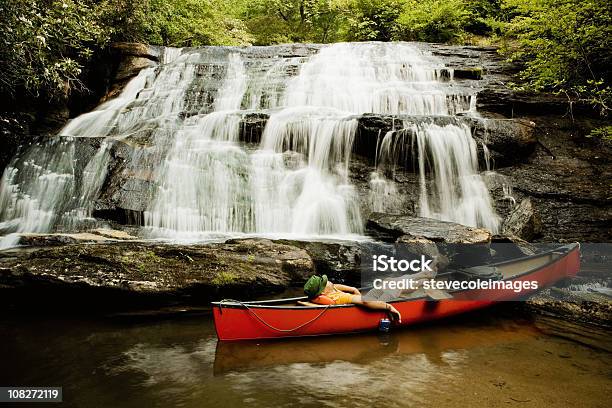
(431, 343)
(180, 363)
(400, 366)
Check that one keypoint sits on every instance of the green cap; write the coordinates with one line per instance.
(315, 285)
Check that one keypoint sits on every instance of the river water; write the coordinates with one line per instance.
(478, 360)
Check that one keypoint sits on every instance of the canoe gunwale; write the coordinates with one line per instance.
(273, 303)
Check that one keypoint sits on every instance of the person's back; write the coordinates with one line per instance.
(321, 291)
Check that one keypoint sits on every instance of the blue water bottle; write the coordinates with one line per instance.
(384, 325)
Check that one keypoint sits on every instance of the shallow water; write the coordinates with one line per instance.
(479, 359)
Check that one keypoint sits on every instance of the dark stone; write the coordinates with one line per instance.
(507, 247)
(508, 141)
(252, 126)
(136, 50)
(131, 66)
(340, 261)
(53, 239)
(462, 246)
(410, 247)
(394, 226)
(523, 221)
(128, 189)
(469, 73)
(143, 274)
(13, 127)
(511, 103)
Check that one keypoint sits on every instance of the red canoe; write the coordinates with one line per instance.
(270, 319)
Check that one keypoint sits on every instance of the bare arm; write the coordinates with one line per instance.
(377, 305)
(347, 289)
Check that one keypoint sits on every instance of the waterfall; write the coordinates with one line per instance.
(182, 123)
(297, 181)
(374, 78)
(459, 193)
(33, 195)
(451, 188)
(203, 183)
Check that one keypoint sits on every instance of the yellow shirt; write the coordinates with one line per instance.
(341, 298)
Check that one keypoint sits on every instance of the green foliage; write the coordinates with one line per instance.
(374, 20)
(190, 23)
(563, 46)
(224, 278)
(433, 20)
(123, 20)
(284, 21)
(480, 15)
(45, 44)
(603, 133)
(177, 23)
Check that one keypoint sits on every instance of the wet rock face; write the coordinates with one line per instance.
(128, 59)
(12, 128)
(523, 221)
(448, 243)
(509, 141)
(393, 226)
(566, 179)
(410, 247)
(341, 262)
(157, 273)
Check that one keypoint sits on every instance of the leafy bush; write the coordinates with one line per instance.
(374, 20)
(563, 46)
(189, 23)
(433, 20)
(45, 44)
(602, 133)
(283, 21)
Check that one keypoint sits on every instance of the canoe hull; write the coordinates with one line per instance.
(235, 321)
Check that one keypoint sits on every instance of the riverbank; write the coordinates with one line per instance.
(111, 272)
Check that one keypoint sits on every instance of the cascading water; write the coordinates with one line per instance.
(40, 189)
(297, 182)
(183, 123)
(459, 193)
(451, 188)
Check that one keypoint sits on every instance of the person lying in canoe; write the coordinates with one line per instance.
(321, 291)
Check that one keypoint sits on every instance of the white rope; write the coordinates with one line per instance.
(261, 320)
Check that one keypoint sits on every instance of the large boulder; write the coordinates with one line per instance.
(59, 238)
(455, 244)
(523, 221)
(340, 261)
(511, 103)
(139, 273)
(506, 247)
(396, 225)
(129, 59)
(410, 247)
(508, 140)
